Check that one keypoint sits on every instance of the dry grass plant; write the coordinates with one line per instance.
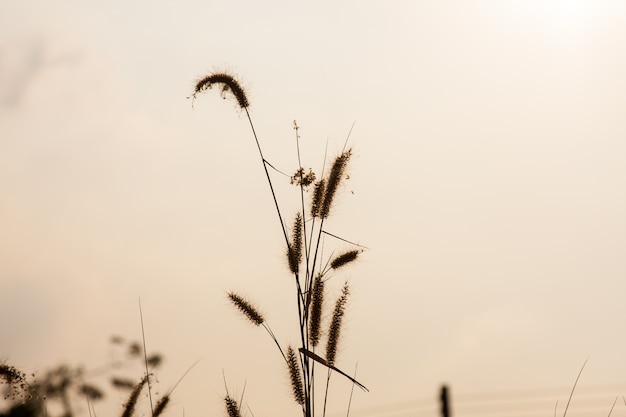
(304, 243)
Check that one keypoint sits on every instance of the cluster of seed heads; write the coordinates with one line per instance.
(16, 380)
(310, 283)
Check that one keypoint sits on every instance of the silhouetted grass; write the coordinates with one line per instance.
(304, 243)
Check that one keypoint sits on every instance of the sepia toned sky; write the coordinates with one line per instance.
(488, 183)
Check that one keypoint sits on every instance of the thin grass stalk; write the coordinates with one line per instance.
(304, 362)
(230, 84)
(164, 401)
(613, 406)
(351, 392)
(145, 355)
(300, 170)
(316, 252)
(269, 179)
(254, 316)
(89, 406)
(574, 387)
(302, 302)
(271, 333)
(326, 391)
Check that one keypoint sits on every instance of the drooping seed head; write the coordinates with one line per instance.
(246, 308)
(227, 83)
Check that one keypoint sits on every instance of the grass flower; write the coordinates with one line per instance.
(246, 308)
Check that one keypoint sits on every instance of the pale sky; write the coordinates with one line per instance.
(488, 182)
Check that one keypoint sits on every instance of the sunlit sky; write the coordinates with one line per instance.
(488, 182)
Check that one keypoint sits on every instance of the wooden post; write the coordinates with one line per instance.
(444, 396)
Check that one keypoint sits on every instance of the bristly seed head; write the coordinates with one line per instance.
(335, 325)
(302, 178)
(227, 83)
(246, 308)
(315, 318)
(160, 405)
(318, 197)
(334, 178)
(16, 381)
(295, 376)
(232, 408)
(344, 258)
(294, 250)
(129, 408)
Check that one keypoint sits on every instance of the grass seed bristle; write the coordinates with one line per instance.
(227, 82)
(232, 408)
(295, 376)
(15, 379)
(315, 318)
(246, 308)
(318, 196)
(335, 325)
(129, 407)
(160, 405)
(344, 258)
(11, 374)
(334, 178)
(294, 250)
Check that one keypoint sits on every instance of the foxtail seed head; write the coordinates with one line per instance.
(294, 250)
(16, 381)
(160, 405)
(227, 83)
(318, 197)
(129, 407)
(335, 325)
(315, 318)
(344, 258)
(334, 178)
(295, 376)
(232, 408)
(246, 308)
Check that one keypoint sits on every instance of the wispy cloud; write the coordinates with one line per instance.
(22, 62)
